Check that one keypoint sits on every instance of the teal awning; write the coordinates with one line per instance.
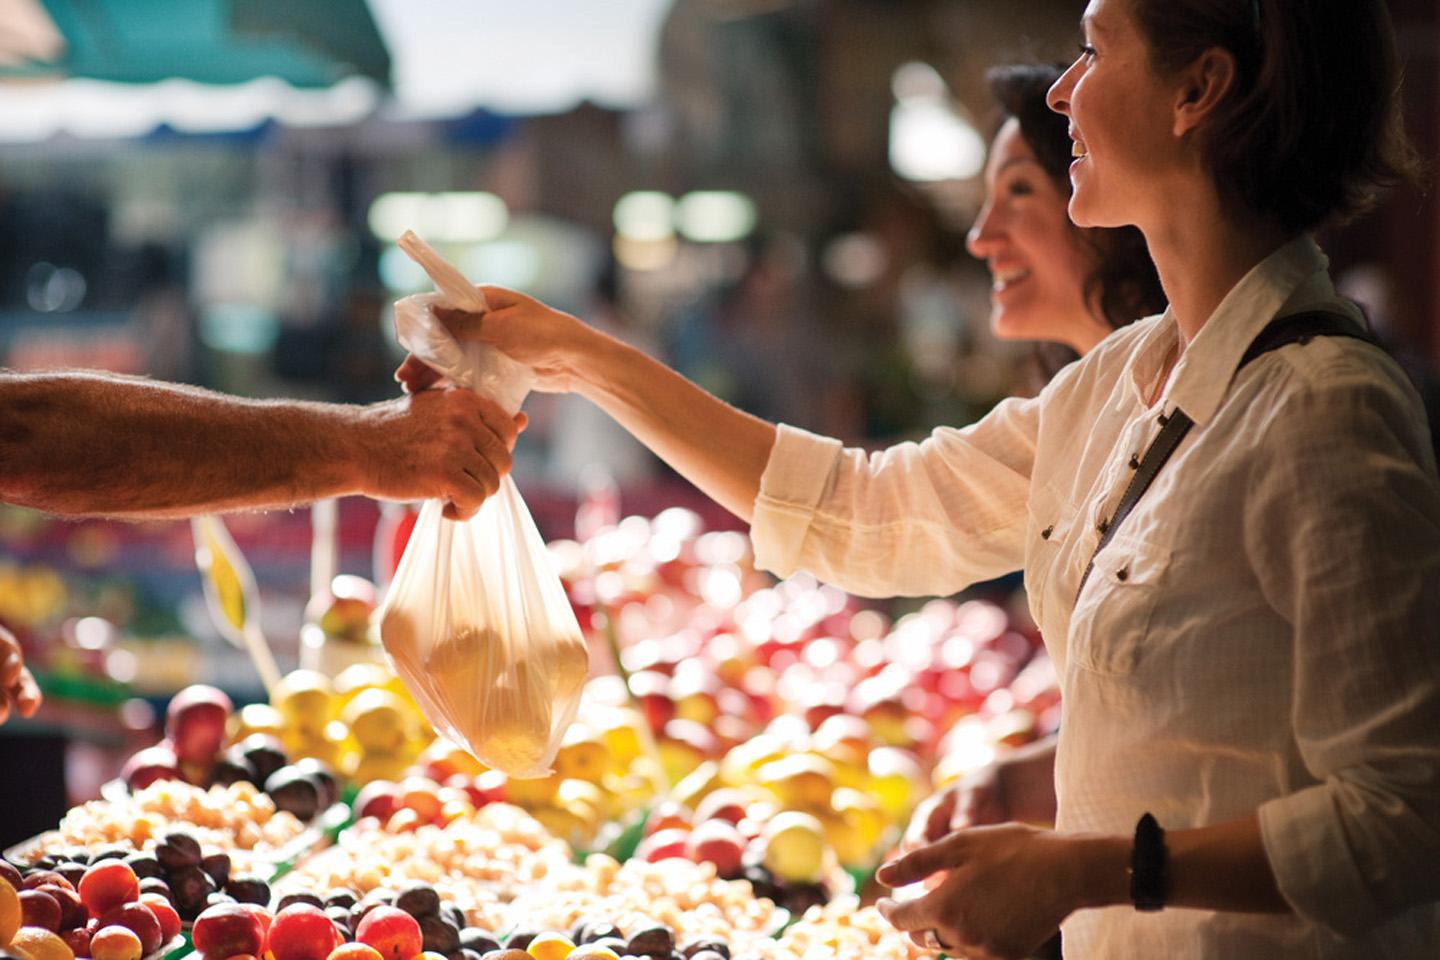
(307, 43)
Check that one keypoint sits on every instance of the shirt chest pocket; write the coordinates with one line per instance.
(1111, 629)
(1050, 535)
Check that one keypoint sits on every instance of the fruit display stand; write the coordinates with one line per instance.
(748, 754)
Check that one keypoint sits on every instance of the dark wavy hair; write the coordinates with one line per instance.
(1124, 285)
(1312, 132)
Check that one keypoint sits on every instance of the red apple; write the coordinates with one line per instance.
(141, 920)
(303, 932)
(391, 931)
(72, 910)
(726, 803)
(494, 787)
(376, 799)
(343, 611)
(165, 913)
(228, 929)
(195, 722)
(150, 764)
(663, 845)
(108, 884)
(668, 814)
(649, 688)
(420, 794)
(719, 842)
(77, 940)
(39, 909)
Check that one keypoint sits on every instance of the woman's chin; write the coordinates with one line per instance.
(1033, 324)
(1012, 324)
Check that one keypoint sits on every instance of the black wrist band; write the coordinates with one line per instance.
(1148, 881)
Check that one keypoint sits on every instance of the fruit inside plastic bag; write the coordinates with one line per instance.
(476, 622)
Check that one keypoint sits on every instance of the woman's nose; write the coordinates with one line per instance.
(1058, 96)
(980, 241)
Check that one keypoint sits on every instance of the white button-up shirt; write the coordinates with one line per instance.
(1263, 632)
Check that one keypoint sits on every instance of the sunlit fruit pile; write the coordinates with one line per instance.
(686, 899)
(237, 820)
(841, 928)
(479, 862)
(362, 725)
(795, 694)
(84, 908)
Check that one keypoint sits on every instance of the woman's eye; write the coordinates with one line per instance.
(1019, 189)
(1087, 52)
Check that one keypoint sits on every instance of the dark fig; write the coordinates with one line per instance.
(294, 792)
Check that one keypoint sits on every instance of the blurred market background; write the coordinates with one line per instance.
(771, 195)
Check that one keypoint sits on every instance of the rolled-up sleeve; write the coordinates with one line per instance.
(1347, 547)
(916, 519)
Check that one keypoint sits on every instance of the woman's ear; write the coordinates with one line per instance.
(1203, 86)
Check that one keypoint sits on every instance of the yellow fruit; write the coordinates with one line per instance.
(802, 781)
(894, 776)
(744, 759)
(533, 792)
(564, 824)
(449, 756)
(305, 700)
(377, 766)
(254, 718)
(357, 677)
(795, 847)
(623, 744)
(377, 720)
(37, 943)
(9, 912)
(860, 813)
(583, 760)
(550, 946)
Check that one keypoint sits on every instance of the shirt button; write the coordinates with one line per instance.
(1134, 461)
(1122, 574)
(1103, 525)
(1045, 534)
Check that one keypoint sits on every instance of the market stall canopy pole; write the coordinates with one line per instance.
(307, 43)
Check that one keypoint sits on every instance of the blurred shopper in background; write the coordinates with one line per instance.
(1054, 282)
(1249, 765)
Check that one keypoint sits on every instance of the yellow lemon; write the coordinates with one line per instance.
(305, 700)
(357, 677)
(583, 760)
(795, 847)
(255, 718)
(378, 721)
(365, 767)
(623, 744)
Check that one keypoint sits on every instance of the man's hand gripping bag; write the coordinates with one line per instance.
(476, 622)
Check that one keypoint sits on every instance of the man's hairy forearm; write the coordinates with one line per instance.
(91, 443)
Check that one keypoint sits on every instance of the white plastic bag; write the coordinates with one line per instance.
(476, 622)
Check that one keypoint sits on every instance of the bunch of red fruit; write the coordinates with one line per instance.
(104, 916)
(417, 801)
(303, 931)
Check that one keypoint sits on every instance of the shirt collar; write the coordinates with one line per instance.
(1202, 377)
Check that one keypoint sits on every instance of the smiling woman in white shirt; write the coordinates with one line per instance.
(1250, 761)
